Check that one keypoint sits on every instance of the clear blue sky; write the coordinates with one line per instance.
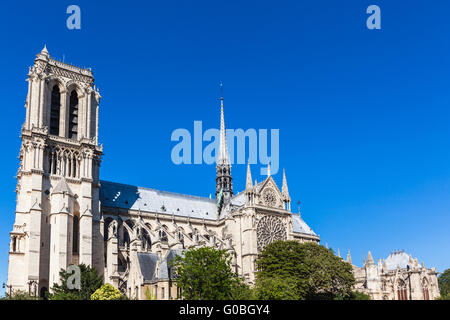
(363, 115)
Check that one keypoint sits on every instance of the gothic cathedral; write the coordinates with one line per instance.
(66, 215)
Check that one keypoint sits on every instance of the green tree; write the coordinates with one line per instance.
(205, 274)
(302, 271)
(444, 284)
(90, 281)
(277, 288)
(241, 291)
(107, 292)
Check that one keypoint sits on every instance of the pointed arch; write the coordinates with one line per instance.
(73, 115)
(401, 290)
(55, 109)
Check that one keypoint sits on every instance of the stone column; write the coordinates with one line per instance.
(88, 112)
(86, 222)
(41, 102)
(34, 227)
(28, 106)
(63, 114)
(61, 220)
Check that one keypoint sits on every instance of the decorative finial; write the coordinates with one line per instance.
(221, 90)
(268, 169)
(44, 50)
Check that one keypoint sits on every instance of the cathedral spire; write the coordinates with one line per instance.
(223, 148)
(224, 184)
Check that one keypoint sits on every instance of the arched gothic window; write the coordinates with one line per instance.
(55, 107)
(401, 290)
(163, 235)
(126, 238)
(146, 241)
(73, 115)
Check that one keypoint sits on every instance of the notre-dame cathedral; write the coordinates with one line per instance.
(66, 215)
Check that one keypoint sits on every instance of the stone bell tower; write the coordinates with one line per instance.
(57, 219)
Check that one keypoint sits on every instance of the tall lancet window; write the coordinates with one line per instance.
(73, 115)
(76, 237)
(54, 110)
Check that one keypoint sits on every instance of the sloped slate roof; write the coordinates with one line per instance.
(397, 259)
(300, 226)
(150, 200)
(62, 187)
(239, 199)
(148, 262)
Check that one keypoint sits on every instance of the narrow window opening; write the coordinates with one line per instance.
(55, 110)
(73, 115)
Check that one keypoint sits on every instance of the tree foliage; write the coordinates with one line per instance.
(277, 288)
(107, 292)
(205, 274)
(302, 271)
(90, 281)
(444, 284)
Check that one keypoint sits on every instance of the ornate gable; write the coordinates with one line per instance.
(269, 194)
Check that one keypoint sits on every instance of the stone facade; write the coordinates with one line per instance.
(398, 277)
(66, 215)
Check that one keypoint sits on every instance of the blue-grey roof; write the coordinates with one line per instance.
(300, 226)
(149, 261)
(150, 200)
(398, 259)
(239, 199)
